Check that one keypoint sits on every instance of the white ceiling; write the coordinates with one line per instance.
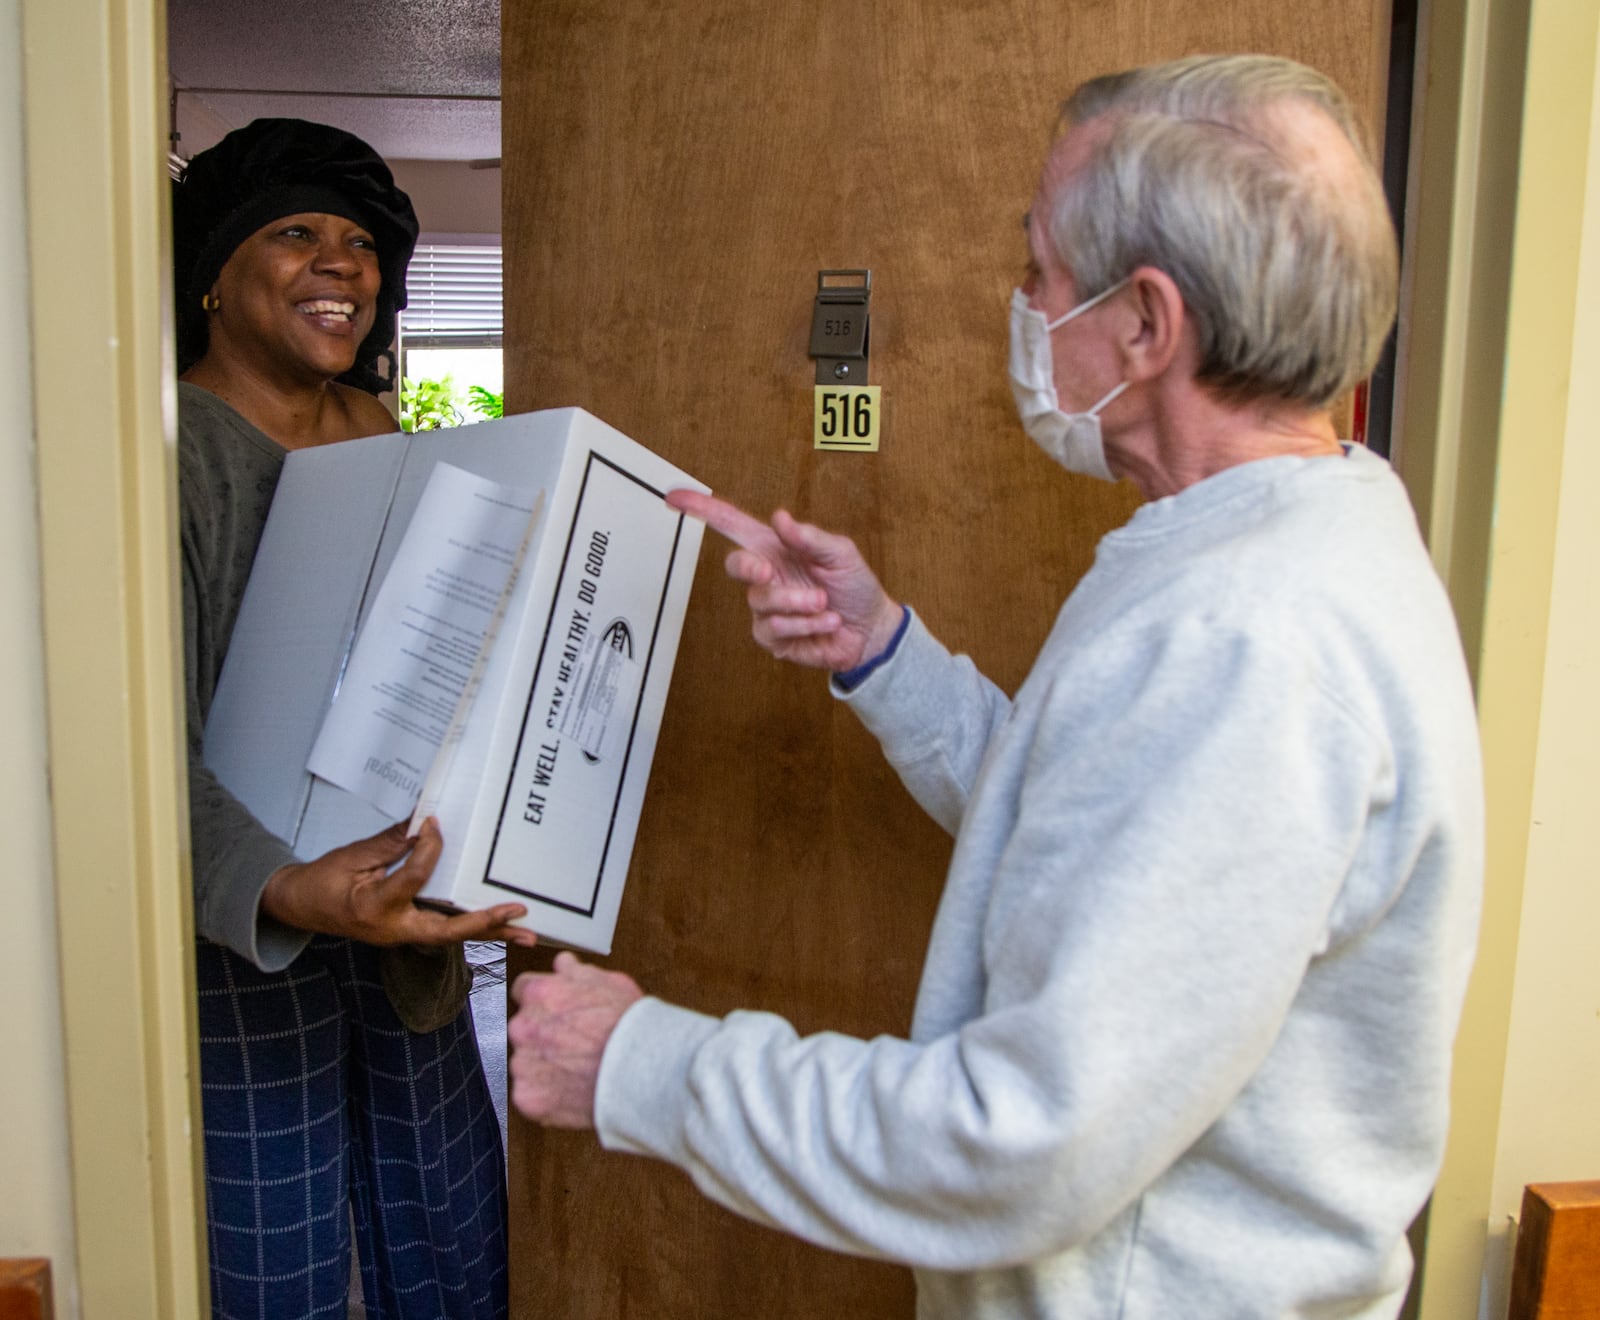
(418, 79)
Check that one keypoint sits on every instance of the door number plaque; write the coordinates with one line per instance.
(847, 413)
(847, 417)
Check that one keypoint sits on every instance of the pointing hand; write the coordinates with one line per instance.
(813, 600)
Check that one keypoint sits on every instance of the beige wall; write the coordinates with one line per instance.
(36, 1208)
(452, 199)
(1549, 1129)
(198, 126)
(1507, 378)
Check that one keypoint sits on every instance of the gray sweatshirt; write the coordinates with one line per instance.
(1183, 1037)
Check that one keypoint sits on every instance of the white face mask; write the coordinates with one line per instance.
(1072, 439)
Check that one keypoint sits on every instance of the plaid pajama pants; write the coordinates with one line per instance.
(321, 1109)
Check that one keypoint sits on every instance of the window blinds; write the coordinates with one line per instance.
(454, 298)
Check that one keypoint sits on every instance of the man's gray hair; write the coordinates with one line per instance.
(1289, 272)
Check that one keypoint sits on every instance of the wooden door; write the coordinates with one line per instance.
(676, 174)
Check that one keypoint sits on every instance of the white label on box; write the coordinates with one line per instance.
(604, 685)
(572, 756)
(422, 638)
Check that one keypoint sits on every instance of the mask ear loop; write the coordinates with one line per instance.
(1092, 303)
(1106, 402)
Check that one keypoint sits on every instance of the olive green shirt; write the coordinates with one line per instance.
(228, 470)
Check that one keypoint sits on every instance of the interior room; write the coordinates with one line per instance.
(666, 183)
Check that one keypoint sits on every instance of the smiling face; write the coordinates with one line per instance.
(297, 297)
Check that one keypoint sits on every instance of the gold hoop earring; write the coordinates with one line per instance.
(210, 302)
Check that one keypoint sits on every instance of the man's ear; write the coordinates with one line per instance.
(1154, 341)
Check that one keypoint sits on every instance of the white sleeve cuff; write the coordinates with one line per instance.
(904, 698)
(641, 1102)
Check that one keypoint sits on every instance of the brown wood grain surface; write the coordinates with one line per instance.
(25, 1289)
(1556, 1272)
(675, 176)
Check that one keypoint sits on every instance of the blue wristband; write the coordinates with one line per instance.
(851, 679)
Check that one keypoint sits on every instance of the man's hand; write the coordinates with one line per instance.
(351, 891)
(812, 597)
(562, 1023)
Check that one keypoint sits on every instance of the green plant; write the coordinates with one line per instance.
(486, 401)
(429, 405)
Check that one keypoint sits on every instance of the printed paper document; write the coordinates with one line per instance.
(408, 678)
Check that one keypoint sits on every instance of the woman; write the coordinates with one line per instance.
(340, 1078)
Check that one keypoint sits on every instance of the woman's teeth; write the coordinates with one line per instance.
(325, 307)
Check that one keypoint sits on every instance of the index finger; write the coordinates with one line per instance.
(525, 981)
(720, 516)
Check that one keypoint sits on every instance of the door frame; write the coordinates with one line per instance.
(95, 98)
(95, 95)
(1495, 236)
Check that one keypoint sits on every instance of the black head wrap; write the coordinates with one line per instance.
(267, 170)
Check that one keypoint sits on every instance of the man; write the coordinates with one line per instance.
(1182, 1041)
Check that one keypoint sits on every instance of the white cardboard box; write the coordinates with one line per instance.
(527, 812)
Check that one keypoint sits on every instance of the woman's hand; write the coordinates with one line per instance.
(352, 892)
